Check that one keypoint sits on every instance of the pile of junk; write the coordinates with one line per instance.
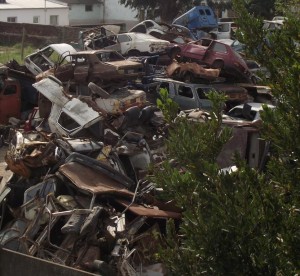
(75, 191)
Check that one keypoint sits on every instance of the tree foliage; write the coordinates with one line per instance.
(246, 222)
(265, 9)
(166, 9)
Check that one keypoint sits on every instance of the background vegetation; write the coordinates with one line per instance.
(246, 222)
(8, 53)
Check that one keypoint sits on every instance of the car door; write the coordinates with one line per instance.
(169, 87)
(185, 97)
(81, 67)
(10, 102)
(193, 50)
(216, 51)
(204, 102)
(126, 43)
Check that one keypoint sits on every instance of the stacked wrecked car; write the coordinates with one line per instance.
(76, 190)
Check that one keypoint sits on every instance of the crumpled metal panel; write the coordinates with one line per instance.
(52, 90)
(149, 211)
(121, 100)
(180, 69)
(95, 182)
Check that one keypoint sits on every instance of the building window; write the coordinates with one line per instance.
(88, 8)
(54, 20)
(36, 19)
(12, 19)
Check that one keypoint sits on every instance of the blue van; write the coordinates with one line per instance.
(200, 17)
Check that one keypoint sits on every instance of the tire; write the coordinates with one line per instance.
(1, 141)
(174, 53)
(218, 64)
(134, 53)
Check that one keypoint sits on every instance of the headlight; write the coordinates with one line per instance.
(121, 71)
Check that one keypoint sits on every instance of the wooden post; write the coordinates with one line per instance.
(23, 41)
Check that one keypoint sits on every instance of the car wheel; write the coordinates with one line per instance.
(134, 53)
(218, 64)
(174, 53)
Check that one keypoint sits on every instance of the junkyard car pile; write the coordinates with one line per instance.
(76, 190)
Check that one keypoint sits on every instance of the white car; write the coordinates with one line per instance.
(135, 44)
(45, 58)
(246, 112)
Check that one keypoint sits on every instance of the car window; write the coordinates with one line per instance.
(218, 47)
(185, 91)
(201, 12)
(149, 24)
(139, 29)
(109, 56)
(238, 113)
(202, 93)
(10, 90)
(165, 85)
(80, 60)
(52, 55)
(67, 123)
(123, 38)
(155, 34)
(207, 12)
(223, 28)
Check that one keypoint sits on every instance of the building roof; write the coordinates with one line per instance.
(32, 4)
(83, 2)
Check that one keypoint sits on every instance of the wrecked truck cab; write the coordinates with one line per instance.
(46, 58)
(69, 116)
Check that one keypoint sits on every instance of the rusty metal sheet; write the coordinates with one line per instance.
(15, 264)
(121, 100)
(96, 182)
(148, 212)
(237, 144)
(196, 69)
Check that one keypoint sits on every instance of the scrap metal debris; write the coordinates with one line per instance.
(76, 190)
(77, 193)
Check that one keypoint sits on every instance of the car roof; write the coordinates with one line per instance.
(91, 52)
(142, 35)
(254, 106)
(226, 41)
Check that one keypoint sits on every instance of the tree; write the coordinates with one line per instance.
(264, 8)
(167, 9)
(246, 222)
(219, 6)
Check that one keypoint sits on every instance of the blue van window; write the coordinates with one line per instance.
(201, 12)
(208, 12)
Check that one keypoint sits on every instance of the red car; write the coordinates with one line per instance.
(214, 54)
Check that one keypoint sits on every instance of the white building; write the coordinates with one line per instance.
(94, 12)
(34, 11)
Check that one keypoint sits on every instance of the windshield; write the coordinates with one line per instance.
(109, 56)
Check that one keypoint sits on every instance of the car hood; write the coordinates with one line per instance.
(158, 41)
